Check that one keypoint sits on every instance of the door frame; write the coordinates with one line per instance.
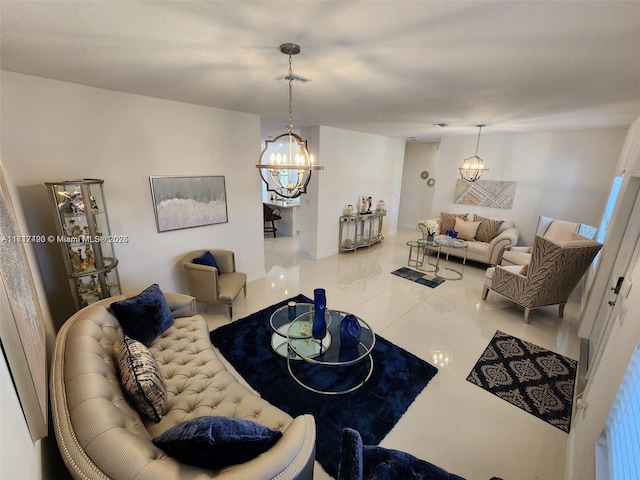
(614, 262)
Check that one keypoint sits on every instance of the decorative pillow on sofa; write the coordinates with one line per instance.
(141, 379)
(466, 230)
(207, 259)
(488, 229)
(215, 442)
(144, 316)
(448, 220)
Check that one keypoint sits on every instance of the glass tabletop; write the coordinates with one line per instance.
(314, 351)
(423, 241)
(451, 242)
(283, 316)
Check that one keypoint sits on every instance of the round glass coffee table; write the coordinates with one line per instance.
(280, 322)
(351, 367)
(447, 242)
(429, 247)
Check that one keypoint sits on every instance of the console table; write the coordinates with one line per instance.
(361, 230)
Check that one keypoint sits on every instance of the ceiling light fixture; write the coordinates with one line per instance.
(472, 167)
(285, 163)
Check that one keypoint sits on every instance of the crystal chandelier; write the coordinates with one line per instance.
(472, 167)
(285, 164)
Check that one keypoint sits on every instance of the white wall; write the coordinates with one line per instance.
(355, 164)
(55, 131)
(605, 380)
(563, 174)
(417, 196)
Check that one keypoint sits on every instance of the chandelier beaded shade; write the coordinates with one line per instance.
(285, 163)
(471, 168)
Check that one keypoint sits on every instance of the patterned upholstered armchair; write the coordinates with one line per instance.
(553, 272)
(556, 230)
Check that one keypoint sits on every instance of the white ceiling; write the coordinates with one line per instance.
(392, 68)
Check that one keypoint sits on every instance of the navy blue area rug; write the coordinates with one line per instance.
(398, 377)
(419, 277)
(532, 378)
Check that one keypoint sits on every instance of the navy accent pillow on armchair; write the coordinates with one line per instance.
(365, 462)
(144, 316)
(207, 259)
(216, 442)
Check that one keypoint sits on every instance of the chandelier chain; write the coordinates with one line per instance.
(478, 142)
(290, 126)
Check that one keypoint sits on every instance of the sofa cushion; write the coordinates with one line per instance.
(141, 379)
(216, 442)
(207, 259)
(466, 230)
(448, 220)
(144, 316)
(489, 228)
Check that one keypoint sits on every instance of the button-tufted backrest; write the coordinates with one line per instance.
(100, 434)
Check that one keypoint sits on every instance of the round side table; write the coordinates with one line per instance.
(448, 243)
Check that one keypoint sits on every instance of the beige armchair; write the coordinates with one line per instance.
(556, 230)
(214, 285)
(553, 272)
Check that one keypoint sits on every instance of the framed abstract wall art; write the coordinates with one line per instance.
(186, 202)
(486, 193)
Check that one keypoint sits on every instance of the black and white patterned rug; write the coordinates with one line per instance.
(532, 378)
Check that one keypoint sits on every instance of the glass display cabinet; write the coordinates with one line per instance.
(85, 239)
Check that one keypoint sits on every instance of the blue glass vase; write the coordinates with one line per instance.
(319, 328)
(350, 331)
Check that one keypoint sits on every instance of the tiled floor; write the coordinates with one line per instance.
(452, 423)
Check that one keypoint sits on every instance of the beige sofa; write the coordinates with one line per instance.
(487, 249)
(101, 435)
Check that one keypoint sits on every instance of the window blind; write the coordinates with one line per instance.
(623, 425)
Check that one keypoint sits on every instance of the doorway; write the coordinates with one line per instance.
(621, 245)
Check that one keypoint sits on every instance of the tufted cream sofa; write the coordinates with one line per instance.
(100, 434)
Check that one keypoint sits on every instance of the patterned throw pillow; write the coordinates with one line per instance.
(466, 230)
(488, 229)
(141, 379)
(448, 220)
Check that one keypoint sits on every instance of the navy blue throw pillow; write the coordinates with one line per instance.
(216, 442)
(206, 259)
(144, 316)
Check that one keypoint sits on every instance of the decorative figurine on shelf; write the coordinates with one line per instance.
(68, 228)
(77, 204)
(365, 205)
(65, 204)
(380, 207)
(349, 210)
(93, 203)
(89, 258)
(76, 260)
